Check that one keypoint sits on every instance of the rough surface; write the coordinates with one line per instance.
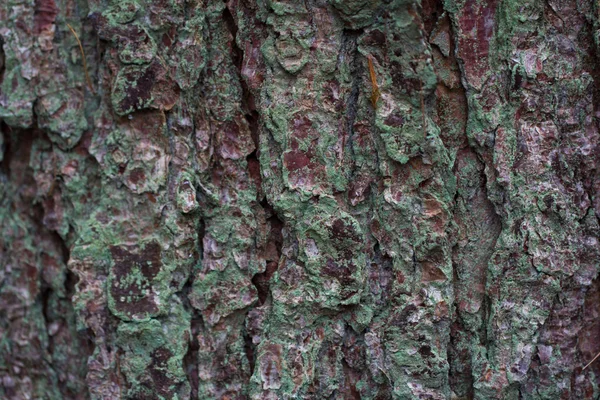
(232, 213)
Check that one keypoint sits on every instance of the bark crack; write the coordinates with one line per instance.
(350, 46)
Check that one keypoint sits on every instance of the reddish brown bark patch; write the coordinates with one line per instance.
(134, 296)
(476, 28)
(44, 15)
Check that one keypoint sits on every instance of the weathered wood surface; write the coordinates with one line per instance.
(263, 199)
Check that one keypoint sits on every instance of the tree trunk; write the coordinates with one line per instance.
(320, 199)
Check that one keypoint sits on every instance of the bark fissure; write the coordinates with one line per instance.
(246, 211)
(350, 47)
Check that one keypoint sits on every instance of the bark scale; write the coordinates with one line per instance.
(232, 213)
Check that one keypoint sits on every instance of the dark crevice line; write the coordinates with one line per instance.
(5, 150)
(248, 105)
(190, 360)
(486, 305)
(171, 172)
(594, 71)
(237, 55)
(262, 280)
(84, 344)
(4, 128)
(249, 348)
(2, 60)
(30, 208)
(350, 47)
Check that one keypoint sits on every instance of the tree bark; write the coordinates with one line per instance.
(320, 199)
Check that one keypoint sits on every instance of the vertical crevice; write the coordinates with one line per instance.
(2, 60)
(248, 104)
(5, 151)
(249, 348)
(4, 128)
(591, 180)
(349, 48)
(473, 212)
(588, 343)
(273, 253)
(41, 256)
(190, 360)
(237, 58)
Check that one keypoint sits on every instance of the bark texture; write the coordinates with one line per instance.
(285, 199)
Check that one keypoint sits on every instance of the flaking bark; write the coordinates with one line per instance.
(320, 199)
